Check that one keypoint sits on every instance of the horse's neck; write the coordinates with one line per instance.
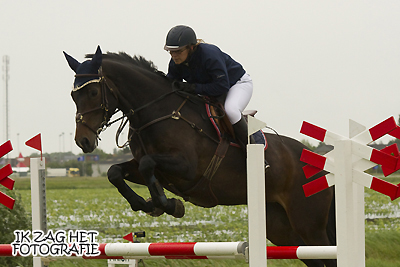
(138, 90)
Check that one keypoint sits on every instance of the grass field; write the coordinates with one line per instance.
(94, 204)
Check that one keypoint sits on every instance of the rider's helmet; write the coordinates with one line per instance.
(178, 37)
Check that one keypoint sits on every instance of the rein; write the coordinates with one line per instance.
(176, 115)
(125, 117)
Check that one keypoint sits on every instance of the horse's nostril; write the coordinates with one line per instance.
(85, 145)
(85, 142)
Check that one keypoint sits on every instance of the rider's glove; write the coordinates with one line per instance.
(186, 87)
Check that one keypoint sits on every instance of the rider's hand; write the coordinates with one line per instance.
(186, 87)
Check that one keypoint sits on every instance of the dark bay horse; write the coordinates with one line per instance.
(173, 142)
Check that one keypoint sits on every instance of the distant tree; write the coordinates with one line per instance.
(122, 151)
(11, 220)
(395, 141)
(88, 170)
(35, 155)
(320, 144)
(66, 164)
(98, 152)
(308, 144)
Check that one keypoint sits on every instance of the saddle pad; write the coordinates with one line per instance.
(258, 136)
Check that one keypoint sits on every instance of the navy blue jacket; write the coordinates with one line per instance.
(212, 70)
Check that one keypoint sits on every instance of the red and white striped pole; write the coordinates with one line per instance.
(182, 250)
(202, 249)
(198, 250)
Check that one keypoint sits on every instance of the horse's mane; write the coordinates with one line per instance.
(138, 61)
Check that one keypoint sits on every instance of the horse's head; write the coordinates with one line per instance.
(90, 97)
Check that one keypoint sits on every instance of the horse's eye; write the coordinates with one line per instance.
(94, 92)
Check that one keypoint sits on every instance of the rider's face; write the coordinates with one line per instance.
(180, 56)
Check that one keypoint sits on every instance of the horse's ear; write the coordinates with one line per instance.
(97, 58)
(72, 62)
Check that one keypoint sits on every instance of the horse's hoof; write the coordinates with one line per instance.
(179, 209)
(156, 212)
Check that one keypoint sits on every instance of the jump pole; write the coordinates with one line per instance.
(256, 200)
(350, 214)
(38, 190)
(38, 199)
(196, 250)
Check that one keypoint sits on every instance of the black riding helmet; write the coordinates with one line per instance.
(178, 37)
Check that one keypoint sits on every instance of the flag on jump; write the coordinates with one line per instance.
(36, 143)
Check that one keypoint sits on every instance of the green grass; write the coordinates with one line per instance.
(66, 183)
(383, 245)
(180, 263)
(94, 204)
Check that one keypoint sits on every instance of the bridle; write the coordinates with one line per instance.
(103, 106)
(104, 85)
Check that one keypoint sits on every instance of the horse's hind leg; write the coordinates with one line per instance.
(281, 233)
(128, 170)
(309, 218)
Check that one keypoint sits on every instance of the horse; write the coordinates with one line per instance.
(173, 142)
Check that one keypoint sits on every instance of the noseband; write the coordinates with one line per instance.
(103, 106)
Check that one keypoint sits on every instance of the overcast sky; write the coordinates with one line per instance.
(324, 62)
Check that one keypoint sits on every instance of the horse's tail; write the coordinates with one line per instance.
(331, 226)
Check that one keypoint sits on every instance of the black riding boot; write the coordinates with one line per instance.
(240, 129)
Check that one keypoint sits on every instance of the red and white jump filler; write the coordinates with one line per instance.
(346, 165)
(4, 179)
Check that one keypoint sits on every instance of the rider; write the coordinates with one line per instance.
(209, 71)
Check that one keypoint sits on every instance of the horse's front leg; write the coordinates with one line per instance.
(129, 171)
(171, 164)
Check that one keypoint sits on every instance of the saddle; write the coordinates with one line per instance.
(224, 128)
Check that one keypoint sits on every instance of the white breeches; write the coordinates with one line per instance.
(238, 97)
